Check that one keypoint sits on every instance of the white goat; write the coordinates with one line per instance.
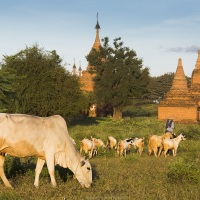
(172, 144)
(123, 146)
(88, 147)
(98, 142)
(111, 142)
(138, 144)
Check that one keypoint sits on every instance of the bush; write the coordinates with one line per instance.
(182, 171)
(192, 132)
(12, 166)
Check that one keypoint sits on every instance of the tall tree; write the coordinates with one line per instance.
(159, 86)
(45, 87)
(119, 75)
(6, 90)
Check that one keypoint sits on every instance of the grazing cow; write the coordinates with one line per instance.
(123, 146)
(138, 144)
(88, 147)
(155, 142)
(172, 144)
(111, 142)
(47, 139)
(98, 142)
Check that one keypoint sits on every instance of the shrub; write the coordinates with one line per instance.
(12, 166)
(192, 132)
(182, 171)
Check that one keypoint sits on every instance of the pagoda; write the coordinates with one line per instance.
(195, 81)
(86, 79)
(179, 103)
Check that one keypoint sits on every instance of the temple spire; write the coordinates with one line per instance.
(74, 68)
(179, 81)
(97, 43)
(197, 66)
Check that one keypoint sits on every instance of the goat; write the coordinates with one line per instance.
(111, 142)
(88, 147)
(123, 146)
(172, 144)
(138, 144)
(98, 142)
(155, 142)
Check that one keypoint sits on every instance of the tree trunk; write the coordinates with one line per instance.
(117, 113)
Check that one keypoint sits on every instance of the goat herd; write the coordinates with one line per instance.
(156, 144)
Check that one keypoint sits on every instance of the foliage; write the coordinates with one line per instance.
(182, 171)
(6, 90)
(192, 132)
(140, 108)
(44, 87)
(119, 74)
(12, 166)
(159, 86)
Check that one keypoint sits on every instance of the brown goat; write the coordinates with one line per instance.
(155, 142)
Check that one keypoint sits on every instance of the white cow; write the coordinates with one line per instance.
(47, 139)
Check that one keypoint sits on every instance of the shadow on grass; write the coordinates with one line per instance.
(86, 121)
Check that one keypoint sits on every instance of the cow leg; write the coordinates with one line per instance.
(51, 168)
(38, 169)
(2, 174)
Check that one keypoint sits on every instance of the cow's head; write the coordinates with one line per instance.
(84, 173)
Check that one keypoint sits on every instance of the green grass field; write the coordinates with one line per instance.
(134, 177)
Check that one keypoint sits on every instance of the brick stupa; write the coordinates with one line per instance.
(195, 81)
(87, 78)
(178, 103)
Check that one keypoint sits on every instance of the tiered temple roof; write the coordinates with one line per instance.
(179, 93)
(195, 80)
(87, 78)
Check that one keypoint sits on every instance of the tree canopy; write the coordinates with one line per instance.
(120, 75)
(42, 85)
(159, 86)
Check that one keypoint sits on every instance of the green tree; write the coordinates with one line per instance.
(6, 90)
(44, 87)
(159, 86)
(119, 75)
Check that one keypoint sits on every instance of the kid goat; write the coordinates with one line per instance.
(123, 146)
(172, 144)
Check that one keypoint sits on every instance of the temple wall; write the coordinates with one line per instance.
(179, 114)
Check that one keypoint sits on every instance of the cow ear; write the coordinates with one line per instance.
(82, 163)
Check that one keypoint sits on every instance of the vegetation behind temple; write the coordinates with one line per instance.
(35, 81)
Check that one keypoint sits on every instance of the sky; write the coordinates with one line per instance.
(159, 31)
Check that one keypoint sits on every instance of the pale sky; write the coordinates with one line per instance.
(160, 31)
